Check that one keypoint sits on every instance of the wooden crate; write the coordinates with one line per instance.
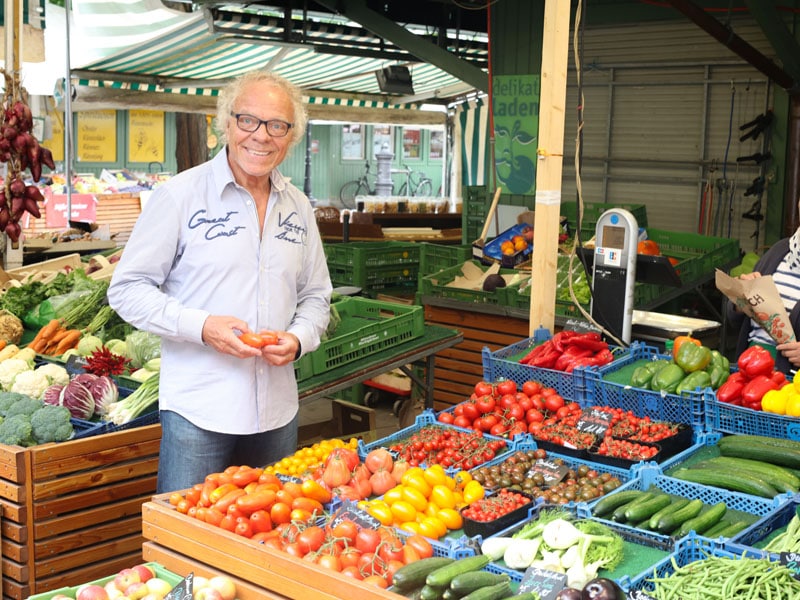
(72, 511)
(270, 569)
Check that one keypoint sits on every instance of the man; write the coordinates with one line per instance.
(226, 248)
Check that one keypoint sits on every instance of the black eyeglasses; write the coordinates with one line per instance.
(250, 124)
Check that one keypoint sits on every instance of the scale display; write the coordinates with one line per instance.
(614, 274)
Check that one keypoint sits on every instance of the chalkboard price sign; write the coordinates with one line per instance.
(639, 595)
(594, 421)
(792, 561)
(546, 583)
(352, 513)
(550, 471)
(182, 591)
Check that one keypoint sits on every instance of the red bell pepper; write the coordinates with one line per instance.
(756, 360)
(590, 340)
(730, 392)
(755, 389)
(537, 351)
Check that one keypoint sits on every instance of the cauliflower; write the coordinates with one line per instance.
(56, 374)
(9, 369)
(31, 383)
(51, 424)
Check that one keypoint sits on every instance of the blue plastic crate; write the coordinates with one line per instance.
(756, 533)
(687, 550)
(88, 428)
(426, 418)
(503, 364)
(729, 418)
(688, 408)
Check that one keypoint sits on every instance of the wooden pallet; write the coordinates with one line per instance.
(72, 511)
(273, 570)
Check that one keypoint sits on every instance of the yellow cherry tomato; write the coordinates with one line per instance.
(410, 526)
(403, 512)
(393, 495)
(439, 527)
(462, 478)
(451, 518)
(415, 498)
(473, 491)
(435, 475)
(431, 509)
(443, 496)
(429, 528)
(382, 512)
(417, 481)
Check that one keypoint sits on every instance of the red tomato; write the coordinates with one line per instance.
(553, 402)
(311, 538)
(243, 528)
(446, 417)
(524, 401)
(471, 411)
(534, 416)
(346, 530)
(421, 544)
(485, 404)
(482, 388)
(538, 402)
(506, 401)
(367, 540)
(507, 386)
(516, 412)
(531, 388)
(498, 429)
(352, 571)
(252, 339)
(330, 562)
(462, 421)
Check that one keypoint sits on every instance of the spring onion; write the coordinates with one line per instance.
(126, 409)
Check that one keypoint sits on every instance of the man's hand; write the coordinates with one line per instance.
(791, 350)
(284, 351)
(220, 334)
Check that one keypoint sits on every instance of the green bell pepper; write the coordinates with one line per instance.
(718, 375)
(718, 359)
(698, 379)
(692, 357)
(667, 378)
(641, 376)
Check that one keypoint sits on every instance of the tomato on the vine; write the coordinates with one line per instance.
(553, 402)
(507, 386)
(485, 403)
(367, 540)
(531, 388)
(483, 388)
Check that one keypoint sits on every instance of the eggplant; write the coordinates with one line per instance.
(601, 588)
(569, 594)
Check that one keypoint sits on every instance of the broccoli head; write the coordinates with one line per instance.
(51, 424)
(7, 399)
(16, 430)
(24, 406)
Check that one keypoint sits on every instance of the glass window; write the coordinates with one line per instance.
(411, 142)
(352, 142)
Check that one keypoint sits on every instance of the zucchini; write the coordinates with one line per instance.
(703, 521)
(442, 576)
(643, 510)
(469, 582)
(770, 450)
(676, 504)
(449, 594)
(609, 502)
(428, 592)
(412, 575)
(490, 592)
(738, 482)
(672, 520)
(778, 477)
(619, 513)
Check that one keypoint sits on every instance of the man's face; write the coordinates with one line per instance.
(256, 154)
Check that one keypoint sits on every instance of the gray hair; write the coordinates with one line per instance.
(231, 92)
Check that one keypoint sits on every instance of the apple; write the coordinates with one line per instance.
(112, 590)
(145, 572)
(91, 591)
(199, 582)
(158, 586)
(125, 578)
(206, 593)
(136, 590)
(224, 585)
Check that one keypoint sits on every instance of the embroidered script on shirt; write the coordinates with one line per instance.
(290, 231)
(220, 227)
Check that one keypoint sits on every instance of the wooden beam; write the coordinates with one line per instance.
(786, 46)
(552, 101)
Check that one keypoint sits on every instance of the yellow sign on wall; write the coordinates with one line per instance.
(97, 136)
(145, 136)
(55, 143)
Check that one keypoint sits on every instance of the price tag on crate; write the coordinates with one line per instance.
(546, 583)
(353, 513)
(639, 595)
(182, 591)
(594, 421)
(75, 363)
(791, 560)
(550, 471)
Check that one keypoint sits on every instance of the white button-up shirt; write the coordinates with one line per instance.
(196, 251)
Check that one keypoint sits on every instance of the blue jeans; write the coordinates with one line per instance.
(188, 453)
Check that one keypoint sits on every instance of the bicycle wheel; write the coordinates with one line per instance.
(402, 191)
(349, 191)
(424, 188)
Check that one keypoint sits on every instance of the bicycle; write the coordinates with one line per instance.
(421, 186)
(357, 187)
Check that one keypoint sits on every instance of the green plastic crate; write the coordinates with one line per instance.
(436, 285)
(698, 254)
(367, 326)
(592, 212)
(162, 573)
(436, 257)
(375, 278)
(373, 265)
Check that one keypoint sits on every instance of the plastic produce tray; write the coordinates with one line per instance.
(687, 550)
(729, 418)
(758, 509)
(504, 364)
(373, 265)
(688, 408)
(368, 326)
(757, 534)
(698, 254)
(162, 573)
(437, 257)
(436, 285)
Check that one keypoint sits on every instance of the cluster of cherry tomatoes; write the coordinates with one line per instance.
(625, 449)
(495, 506)
(448, 447)
(502, 409)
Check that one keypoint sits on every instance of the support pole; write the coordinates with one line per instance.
(552, 101)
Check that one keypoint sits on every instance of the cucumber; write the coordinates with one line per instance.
(672, 520)
(644, 510)
(469, 582)
(449, 594)
(412, 575)
(778, 477)
(609, 502)
(428, 592)
(733, 528)
(738, 482)
(770, 450)
(442, 576)
(524, 596)
(619, 513)
(714, 531)
(490, 592)
(676, 504)
(703, 521)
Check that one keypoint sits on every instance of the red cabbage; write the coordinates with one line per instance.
(104, 391)
(77, 398)
(52, 395)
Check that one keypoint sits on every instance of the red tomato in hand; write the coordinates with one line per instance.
(252, 339)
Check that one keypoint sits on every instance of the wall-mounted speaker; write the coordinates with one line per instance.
(395, 80)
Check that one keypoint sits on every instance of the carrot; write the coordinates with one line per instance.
(68, 341)
(48, 330)
(58, 335)
(38, 345)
